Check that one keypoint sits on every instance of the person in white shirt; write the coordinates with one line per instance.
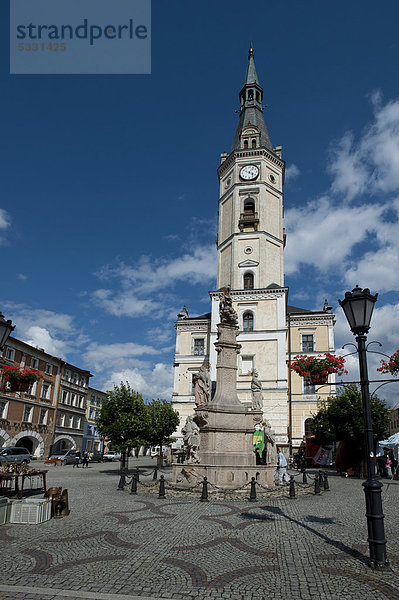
(282, 468)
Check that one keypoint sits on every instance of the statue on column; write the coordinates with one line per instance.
(256, 389)
(228, 315)
(270, 441)
(191, 440)
(202, 385)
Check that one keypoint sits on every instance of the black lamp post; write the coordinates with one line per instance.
(6, 327)
(358, 307)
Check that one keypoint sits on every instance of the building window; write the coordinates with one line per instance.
(92, 413)
(81, 401)
(248, 281)
(98, 401)
(45, 391)
(75, 378)
(308, 386)
(67, 374)
(70, 421)
(43, 416)
(308, 427)
(10, 353)
(247, 365)
(199, 346)
(92, 399)
(34, 363)
(248, 321)
(78, 422)
(249, 207)
(307, 343)
(253, 143)
(3, 409)
(49, 369)
(83, 381)
(64, 397)
(73, 399)
(28, 412)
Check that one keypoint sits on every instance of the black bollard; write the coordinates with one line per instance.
(133, 489)
(316, 484)
(252, 495)
(138, 475)
(204, 495)
(155, 476)
(122, 482)
(304, 477)
(292, 487)
(325, 482)
(161, 487)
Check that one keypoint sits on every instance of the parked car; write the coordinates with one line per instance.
(96, 456)
(66, 456)
(14, 454)
(111, 455)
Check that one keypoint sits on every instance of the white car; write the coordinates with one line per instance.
(111, 455)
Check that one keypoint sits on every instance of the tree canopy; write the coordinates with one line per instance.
(340, 418)
(123, 418)
(162, 422)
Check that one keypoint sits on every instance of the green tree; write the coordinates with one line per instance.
(124, 419)
(162, 422)
(341, 418)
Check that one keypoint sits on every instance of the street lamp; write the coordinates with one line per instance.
(6, 327)
(358, 307)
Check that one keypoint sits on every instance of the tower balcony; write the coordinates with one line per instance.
(248, 220)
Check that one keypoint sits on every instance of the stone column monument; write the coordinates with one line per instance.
(225, 453)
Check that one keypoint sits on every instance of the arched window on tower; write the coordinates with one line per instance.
(249, 207)
(250, 94)
(248, 321)
(245, 143)
(248, 281)
(253, 143)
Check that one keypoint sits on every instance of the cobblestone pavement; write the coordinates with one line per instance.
(125, 547)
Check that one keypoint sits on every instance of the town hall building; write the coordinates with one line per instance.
(250, 255)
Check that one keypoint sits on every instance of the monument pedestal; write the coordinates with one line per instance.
(225, 453)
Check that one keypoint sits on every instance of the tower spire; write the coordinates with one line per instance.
(251, 109)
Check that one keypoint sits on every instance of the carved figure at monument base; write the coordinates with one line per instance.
(191, 440)
(256, 389)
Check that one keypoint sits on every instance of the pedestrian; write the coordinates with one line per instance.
(282, 468)
(85, 461)
(394, 463)
(77, 459)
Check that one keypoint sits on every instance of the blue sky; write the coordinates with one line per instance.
(108, 206)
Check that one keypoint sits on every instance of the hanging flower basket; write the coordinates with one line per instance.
(17, 385)
(318, 368)
(19, 380)
(390, 366)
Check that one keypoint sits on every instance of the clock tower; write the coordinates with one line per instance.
(250, 255)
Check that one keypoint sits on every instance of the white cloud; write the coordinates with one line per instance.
(143, 285)
(22, 277)
(156, 382)
(41, 338)
(291, 173)
(107, 356)
(5, 222)
(371, 163)
(324, 235)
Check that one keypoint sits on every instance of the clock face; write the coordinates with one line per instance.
(249, 172)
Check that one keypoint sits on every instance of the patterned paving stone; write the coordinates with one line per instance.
(117, 545)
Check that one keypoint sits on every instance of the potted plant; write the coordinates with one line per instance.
(390, 366)
(19, 379)
(319, 367)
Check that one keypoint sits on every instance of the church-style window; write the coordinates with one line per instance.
(250, 94)
(246, 144)
(258, 96)
(253, 143)
(248, 321)
(199, 346)
(248, 281)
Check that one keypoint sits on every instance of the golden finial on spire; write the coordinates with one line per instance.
(251, 50)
